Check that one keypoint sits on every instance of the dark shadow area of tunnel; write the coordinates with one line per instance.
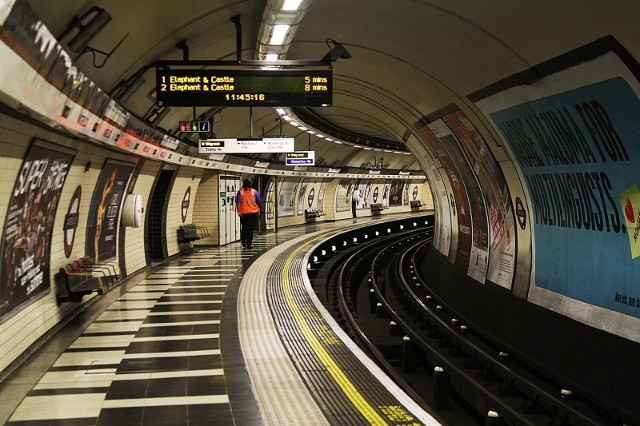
(579, 357)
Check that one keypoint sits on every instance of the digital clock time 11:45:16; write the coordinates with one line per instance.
(245, 97)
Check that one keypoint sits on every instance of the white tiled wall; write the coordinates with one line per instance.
(135, 256)
(186, 177)
(25, 325)
(206, 207)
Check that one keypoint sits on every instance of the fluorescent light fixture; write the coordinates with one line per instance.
(366, 147)
(357, 146)
(272, 57)
(281, 111)
(279, 33)
(329, 139)
(319, 135)
(311, 132)
(291, 4)
(338, 142)
(294, 123)
(302, 128)
(287, 118)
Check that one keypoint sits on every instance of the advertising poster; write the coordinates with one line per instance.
(27, 231)
(268, 202)
(287, 197)
(302, 199)
(343, 195)
(495, 200)
(321, 193)
(385, 195)
(364, 188)
(405, 193)
(395, 193)
(104, 210)
(576, 146)
(630, 204)
(459, 201)
(502, 247)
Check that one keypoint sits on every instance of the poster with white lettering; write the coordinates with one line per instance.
(102, 225)
(29, 224)
(287, 196)
(573, 136)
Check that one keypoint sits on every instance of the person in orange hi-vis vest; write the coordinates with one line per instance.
(249, 204)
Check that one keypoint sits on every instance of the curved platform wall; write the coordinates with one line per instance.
(192, 198)
(535, 194)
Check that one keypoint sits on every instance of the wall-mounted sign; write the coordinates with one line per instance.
(245, 146)
(521, 213)
(301, 158)
(71, 221)
(185, 204)
(194, 126)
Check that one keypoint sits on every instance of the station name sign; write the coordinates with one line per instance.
(245, 146)
(243, 87)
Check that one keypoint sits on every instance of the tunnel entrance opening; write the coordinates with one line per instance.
(156, 234)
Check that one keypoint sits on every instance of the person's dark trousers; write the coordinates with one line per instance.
(247, 224)
(353, 209)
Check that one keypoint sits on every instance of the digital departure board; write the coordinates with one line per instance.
(243, 87)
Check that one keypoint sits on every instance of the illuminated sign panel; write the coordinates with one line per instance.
(245, 146)
(301, 158)
(244, 87)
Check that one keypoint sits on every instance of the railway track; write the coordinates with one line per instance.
(372, 288)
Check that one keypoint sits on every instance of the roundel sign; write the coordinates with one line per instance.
(185, 203)
(375, 194)
(71, 221)
(415, 192)
(310, 197)
(521, 213)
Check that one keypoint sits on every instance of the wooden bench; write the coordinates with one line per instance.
(84, 276)
(190, 232)
(415, 205)
(310, 215)
(376, 208)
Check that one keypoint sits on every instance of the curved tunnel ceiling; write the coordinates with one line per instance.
(409, 57)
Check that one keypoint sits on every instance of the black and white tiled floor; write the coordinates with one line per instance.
(153, 355)
(152, 352)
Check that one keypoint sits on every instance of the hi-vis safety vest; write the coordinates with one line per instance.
(247, 203)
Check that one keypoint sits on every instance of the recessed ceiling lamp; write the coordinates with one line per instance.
(279, 33)
(291, 4)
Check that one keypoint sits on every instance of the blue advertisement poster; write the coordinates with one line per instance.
(578, 151)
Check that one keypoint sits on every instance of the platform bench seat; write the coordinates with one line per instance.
(310, 215)
(84, 276)
(376, 208)
(415, 205)
(190, 232)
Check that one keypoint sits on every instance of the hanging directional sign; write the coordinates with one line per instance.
(245, 146)
(301, 158)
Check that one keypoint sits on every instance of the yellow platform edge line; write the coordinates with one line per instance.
(345, 384)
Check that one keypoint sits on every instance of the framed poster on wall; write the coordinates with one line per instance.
(26, 244)
(104, 210)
